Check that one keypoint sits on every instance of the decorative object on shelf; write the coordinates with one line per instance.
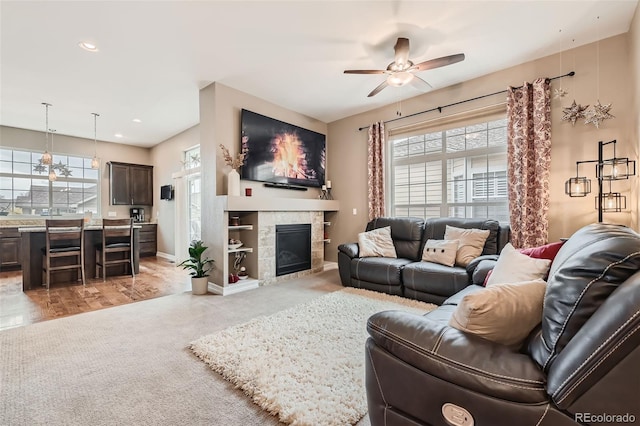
(248, 192)
(574, 112)
(234, 244)
(325, 192)
(234, 221)
(95, 163)
(233, 177)
(199, 266)
(243, 274)
(598, 113)
(606, 170)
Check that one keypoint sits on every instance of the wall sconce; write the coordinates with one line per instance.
(606, 170)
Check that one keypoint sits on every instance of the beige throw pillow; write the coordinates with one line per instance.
(503, 313)
(513, 266)
(440, 251)
(470, 242)
(377, 243)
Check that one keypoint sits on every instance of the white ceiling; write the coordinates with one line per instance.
(154, 56)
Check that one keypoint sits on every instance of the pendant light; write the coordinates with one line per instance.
(95, 163)
(52, 172)
(46, 159)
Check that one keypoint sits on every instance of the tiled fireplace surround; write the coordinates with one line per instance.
(263, 214)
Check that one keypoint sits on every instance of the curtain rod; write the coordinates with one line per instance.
(440, 108)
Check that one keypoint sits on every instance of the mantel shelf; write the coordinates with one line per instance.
(231, 203)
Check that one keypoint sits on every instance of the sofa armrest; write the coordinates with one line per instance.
(350, 249)
(481, 271)
(459, 358)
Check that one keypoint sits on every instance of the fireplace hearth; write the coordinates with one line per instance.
(293, 248)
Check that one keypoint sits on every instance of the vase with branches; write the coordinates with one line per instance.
(233, 178)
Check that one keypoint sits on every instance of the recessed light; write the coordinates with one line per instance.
(118, 135)
(90, 47)
(137, 120)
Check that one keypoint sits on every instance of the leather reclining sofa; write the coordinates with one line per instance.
(407, 275)
(580, 366)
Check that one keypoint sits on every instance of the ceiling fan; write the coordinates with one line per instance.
(402, 71)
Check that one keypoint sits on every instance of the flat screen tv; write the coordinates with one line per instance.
(281, 153)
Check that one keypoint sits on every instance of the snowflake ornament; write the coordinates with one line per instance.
(598, 114)
(574, 112)
(559, 93)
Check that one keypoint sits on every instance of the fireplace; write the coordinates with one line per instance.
(293, 248)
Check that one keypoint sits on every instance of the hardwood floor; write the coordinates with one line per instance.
(157, 277)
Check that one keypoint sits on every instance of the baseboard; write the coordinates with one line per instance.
(238, 287)
(167, 256)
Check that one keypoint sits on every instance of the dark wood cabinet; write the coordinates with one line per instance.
(148, 239)
(9, 248)
(130, 184)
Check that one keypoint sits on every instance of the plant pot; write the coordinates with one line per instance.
(199, 285)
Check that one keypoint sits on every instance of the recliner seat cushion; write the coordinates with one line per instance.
(433, 278)
(587, 269)
(378, 269)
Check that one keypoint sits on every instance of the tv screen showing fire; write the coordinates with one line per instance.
(281, 153)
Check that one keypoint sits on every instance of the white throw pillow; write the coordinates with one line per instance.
(440, 251)
(377, 243)
(513, 266)
(470, 242)
(503, 313)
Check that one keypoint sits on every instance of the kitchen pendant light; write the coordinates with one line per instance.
(95, 163)
(52, 172)
(46, 159)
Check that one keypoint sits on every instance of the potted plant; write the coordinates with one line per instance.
(199, 267)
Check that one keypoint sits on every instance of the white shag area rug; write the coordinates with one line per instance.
(304, 364)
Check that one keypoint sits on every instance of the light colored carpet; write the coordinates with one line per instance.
(130, 365)
(304, 364)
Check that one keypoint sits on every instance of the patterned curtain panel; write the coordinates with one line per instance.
(529, 160)
(375, 170)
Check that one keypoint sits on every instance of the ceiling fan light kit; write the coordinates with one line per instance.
(401, 71)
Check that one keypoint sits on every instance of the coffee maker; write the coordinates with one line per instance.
(137, 213)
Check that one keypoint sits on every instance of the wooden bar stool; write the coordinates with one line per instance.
(117, 237)
(64, 238)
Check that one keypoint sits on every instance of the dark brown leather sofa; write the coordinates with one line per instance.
(407, 275)
(580, 366)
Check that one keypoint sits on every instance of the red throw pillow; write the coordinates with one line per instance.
(547, 251)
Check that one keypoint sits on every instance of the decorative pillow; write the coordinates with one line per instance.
(470, 242)
(547, 251)
(377, 243)
(513, 266)
(503, 313)
(440, 251)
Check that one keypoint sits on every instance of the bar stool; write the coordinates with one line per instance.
(117, 237)
(64, 238)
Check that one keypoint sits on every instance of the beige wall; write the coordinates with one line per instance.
(33, 140)
(347, 155)
(166, 158)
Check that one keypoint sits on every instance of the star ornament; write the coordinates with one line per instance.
(559, 93)
(574, 112)
(598, 114)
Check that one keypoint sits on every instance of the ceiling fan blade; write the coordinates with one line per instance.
(402, 51)
(378, 89)
(365, 71)
(438, 62)
(419, 83)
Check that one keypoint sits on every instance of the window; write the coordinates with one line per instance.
(25, 187)
(459, 172)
